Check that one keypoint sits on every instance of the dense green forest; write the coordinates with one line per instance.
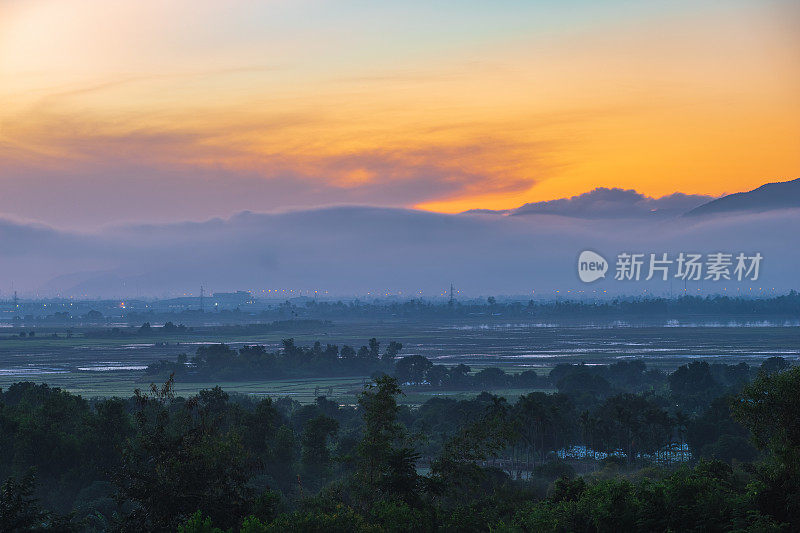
(709, 447)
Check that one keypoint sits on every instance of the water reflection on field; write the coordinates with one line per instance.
(539, 345)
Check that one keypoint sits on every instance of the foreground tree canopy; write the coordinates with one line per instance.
(706, 448)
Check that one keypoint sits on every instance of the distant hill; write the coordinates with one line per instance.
(771, 196)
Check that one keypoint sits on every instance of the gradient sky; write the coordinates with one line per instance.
(116, 111)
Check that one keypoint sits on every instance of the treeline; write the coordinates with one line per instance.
(170, 328)
(700, 380)
(566, 306)
(787, 305)
(221, 362)
(157, 462)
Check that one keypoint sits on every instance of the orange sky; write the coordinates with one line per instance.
(443, 107)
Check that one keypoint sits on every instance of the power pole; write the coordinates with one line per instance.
(201, 298)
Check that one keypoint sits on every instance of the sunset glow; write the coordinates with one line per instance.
(448, 106)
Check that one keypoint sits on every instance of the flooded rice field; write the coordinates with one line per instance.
(110, 364)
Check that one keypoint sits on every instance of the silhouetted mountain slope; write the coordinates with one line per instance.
(771, 196)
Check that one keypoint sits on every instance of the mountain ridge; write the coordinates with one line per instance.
(767, 197)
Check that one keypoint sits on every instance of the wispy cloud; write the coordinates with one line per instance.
(224, 162)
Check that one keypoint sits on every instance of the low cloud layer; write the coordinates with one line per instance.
(615, 203)
(355, 250)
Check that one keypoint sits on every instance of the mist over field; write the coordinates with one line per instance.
(356, 250)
